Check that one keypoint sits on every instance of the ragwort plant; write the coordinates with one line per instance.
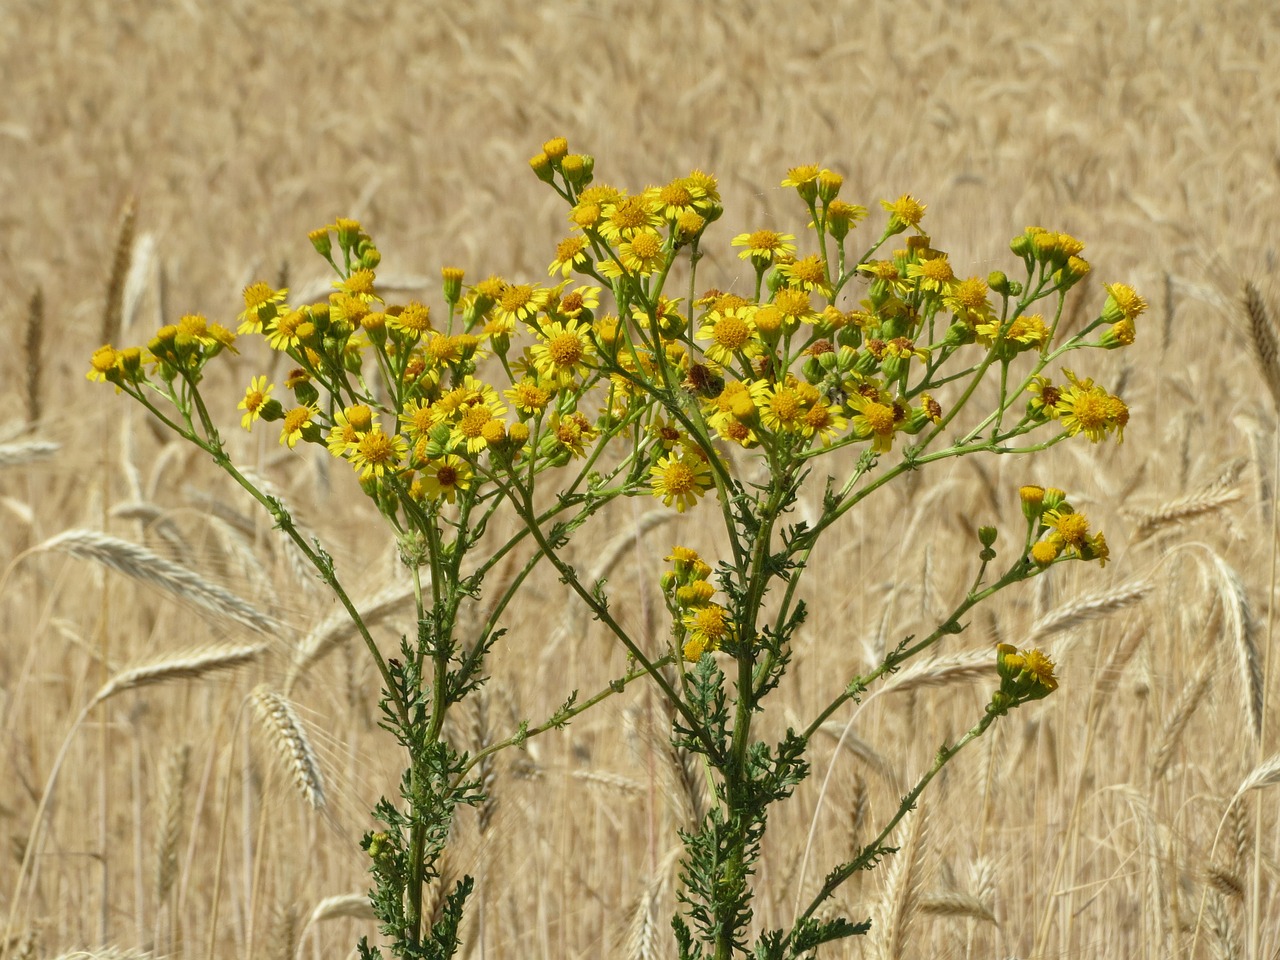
(522, 388)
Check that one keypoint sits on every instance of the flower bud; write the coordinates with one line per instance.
(452, 284)
(998, 281)
(987, 535)
(541, 165)
(320, 240)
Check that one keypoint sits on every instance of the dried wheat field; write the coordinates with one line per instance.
(1094, 824)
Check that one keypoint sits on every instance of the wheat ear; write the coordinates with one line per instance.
(1095, 606)
(902, 890)
(337, 629)
(185, 665)
(143, 565)
(953, 904)
(34, 355)
(1262, 334)
(16, 454)
(289, 738)
(120, 260)
(172, 804)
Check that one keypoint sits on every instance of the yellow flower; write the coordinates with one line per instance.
(678, 197)
(874, 417)
(562, 352)
(571, 254)
(765, 245)
(102, 363)
(1123, 303)
(528, 397)
(643, 254)
(709, 626)
(680, 477)
(443, 478)
(1086, 408)
(625, 217)
(731, 332)
(374, 453)
(808, 273)
(255, 398)
(904, 212)
(257, 297)
(933, 274)
(519, 302)
(295, 421)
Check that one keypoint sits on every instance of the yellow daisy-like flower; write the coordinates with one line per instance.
(414, 320)
(665, 432)
(795, 306)
(418, 417)
(805, 179)
(255, 398)
(626, 217)
(573, 303)
(643, 254)
(680, 477)
(934, 274)
(784, 409)
(359, 284)
(874, 417)
(573, 431)
(375, 453)
(825, 423)
(528, 397)
(1067, 527)
(808, 273)
(1123, 303)
(1085, 408)
(442, 479)
(471, 428)
(967, 300)
(731, 332)
(520, 302)
(295, 421)
(102, 363)
(571, 254)
(562, 352)
(765, 245)
(739, 401)
(708, 626)
(678, 197)
(282, 333)
(904, 212)
(256, 296)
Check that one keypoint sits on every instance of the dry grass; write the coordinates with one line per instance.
(1150, 132)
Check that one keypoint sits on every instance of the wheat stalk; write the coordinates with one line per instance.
(290, 740)
(143, 565)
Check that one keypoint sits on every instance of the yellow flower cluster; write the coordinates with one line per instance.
(507, 369)
(1058, 530)
(705, 625)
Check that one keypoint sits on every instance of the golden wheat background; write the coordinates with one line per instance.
(218, 134)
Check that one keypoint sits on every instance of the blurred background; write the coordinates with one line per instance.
(1086, 826)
